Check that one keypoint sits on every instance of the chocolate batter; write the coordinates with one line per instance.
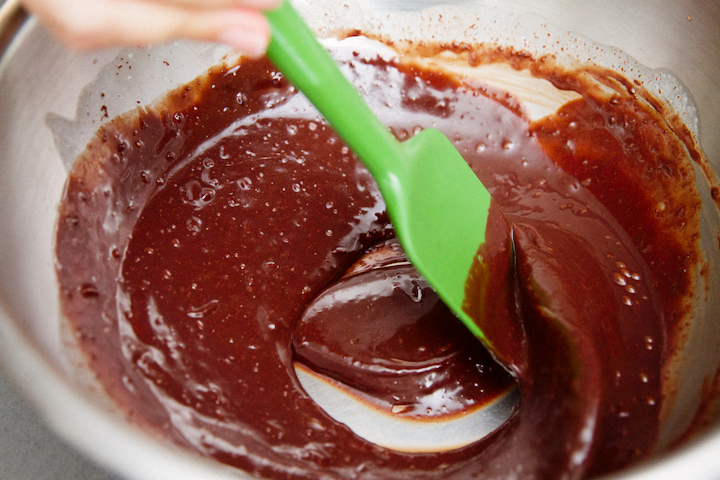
(195, 233)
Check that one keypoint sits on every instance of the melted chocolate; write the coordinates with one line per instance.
(194, 234)
(384, 332)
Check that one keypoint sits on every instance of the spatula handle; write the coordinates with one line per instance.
(295, 51)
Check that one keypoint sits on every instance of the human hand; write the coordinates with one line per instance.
(91, 24)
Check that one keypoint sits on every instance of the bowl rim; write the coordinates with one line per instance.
(108, 440)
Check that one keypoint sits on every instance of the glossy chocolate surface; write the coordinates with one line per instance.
(194, 234)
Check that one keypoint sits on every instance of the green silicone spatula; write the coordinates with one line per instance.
(436, 203)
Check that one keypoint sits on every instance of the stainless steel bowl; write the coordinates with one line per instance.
(50, 109)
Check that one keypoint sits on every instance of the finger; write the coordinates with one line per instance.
(90, 24)
(256, 4)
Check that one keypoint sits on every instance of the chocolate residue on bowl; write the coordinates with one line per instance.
(194, 233)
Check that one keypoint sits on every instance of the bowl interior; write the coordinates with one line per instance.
(52, 104)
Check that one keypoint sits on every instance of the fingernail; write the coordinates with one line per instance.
(260, 4)
(248, 42)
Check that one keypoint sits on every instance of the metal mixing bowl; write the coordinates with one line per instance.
(42, 84)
